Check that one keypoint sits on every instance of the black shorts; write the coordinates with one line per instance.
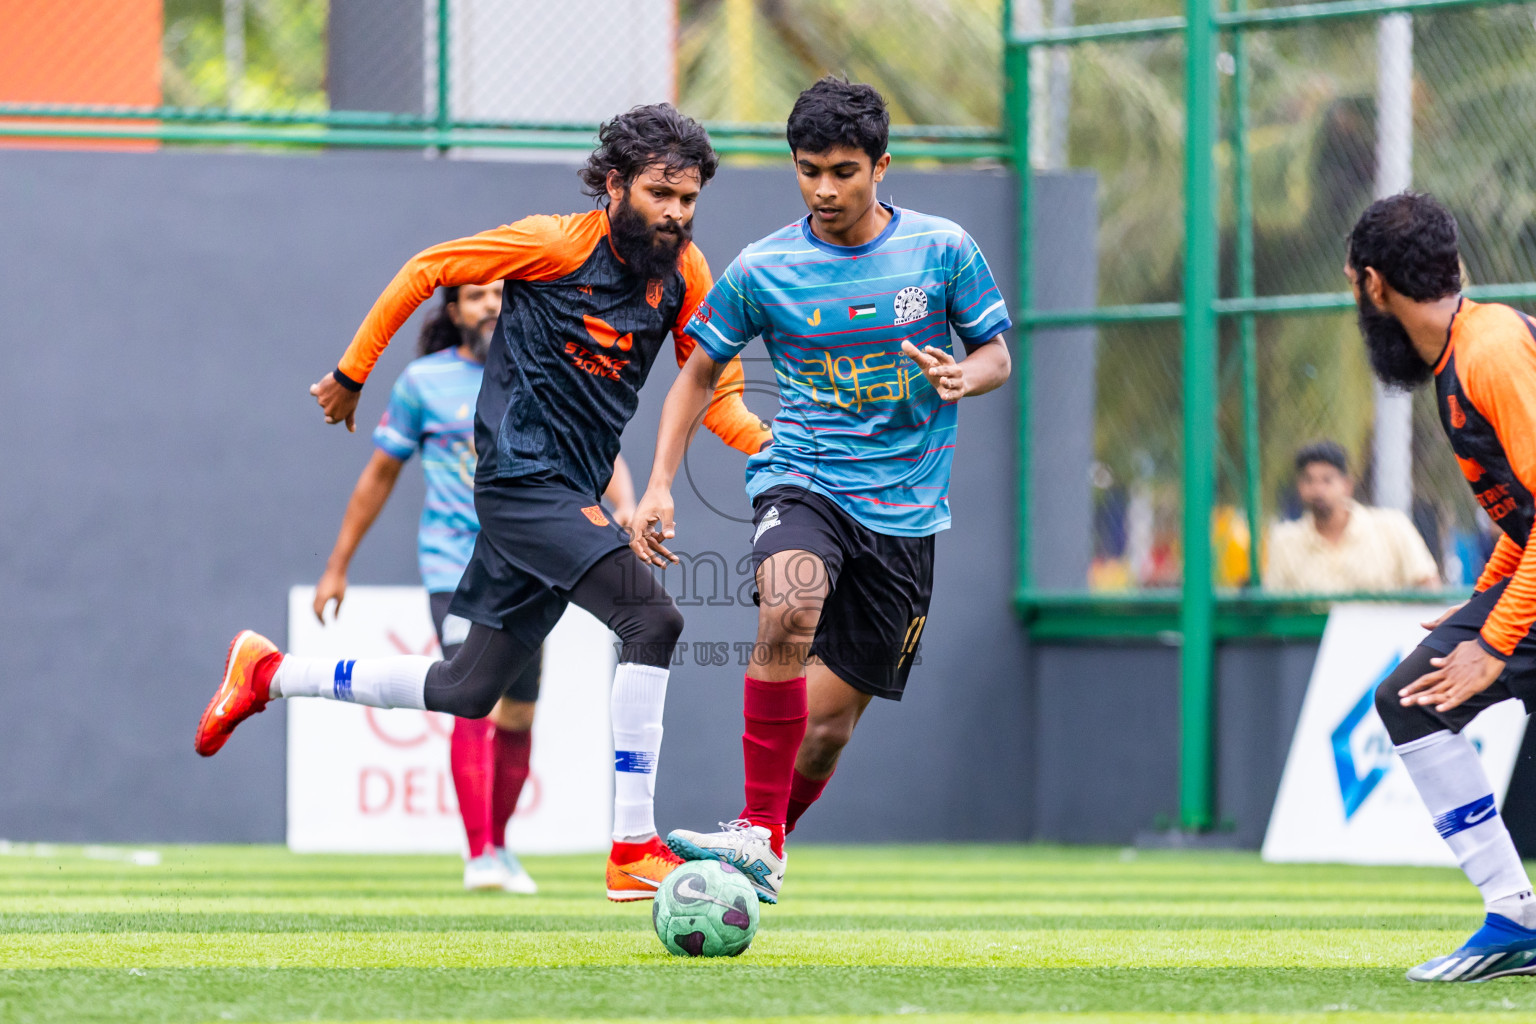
(1519, 676)
(452, 631)
(873, 619)
(537, 539)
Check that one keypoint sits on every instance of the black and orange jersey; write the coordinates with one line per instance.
(1486, 387)
(577, 337)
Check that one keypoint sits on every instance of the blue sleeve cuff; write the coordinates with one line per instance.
(986, 334)
(712, 346)
(393, 445)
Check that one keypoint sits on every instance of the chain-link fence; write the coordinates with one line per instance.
(491, 73)
(1234, 148)
(1316, 113)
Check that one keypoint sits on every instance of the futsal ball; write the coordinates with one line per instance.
(705, 908)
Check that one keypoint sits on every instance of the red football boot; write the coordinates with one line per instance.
(244, 692)
(635, 870)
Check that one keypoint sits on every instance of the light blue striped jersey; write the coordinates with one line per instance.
(432, 408)
(858, 421)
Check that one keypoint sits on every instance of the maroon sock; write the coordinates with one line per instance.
(802, 793)
(775, 724)
(469, 757)
(509, 770)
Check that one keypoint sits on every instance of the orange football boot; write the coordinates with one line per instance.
(247, 675)
(635, 870)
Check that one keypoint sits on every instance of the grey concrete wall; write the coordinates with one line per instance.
(1108, 728)
(169, 479)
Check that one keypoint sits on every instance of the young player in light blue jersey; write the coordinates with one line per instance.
(855, 304)
(432, 411)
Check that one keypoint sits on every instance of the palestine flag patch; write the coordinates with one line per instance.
(861, 312)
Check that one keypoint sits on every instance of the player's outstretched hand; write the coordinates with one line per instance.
(652, 525)
(332, 587)
(946, 375)
(1464, 673)
(1439, 620)
(338, 403)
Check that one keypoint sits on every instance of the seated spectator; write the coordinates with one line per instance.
(1339, 546)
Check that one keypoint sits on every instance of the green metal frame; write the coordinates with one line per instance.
(316, 131)
(1195, 617)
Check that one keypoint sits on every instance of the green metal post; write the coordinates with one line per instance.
(1197, 605)
(444, 114)
(1242, 175)
(1016, 77)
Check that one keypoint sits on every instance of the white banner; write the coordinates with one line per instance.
(365, 780)
(1345, 797)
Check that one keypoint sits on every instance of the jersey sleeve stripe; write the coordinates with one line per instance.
(985, 313)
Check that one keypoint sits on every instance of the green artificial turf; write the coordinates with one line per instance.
(945, 933)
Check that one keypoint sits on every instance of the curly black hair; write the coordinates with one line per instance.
(646, 135)
(837, 112)
(1411, 241)
(1330, 452)
(439, 331)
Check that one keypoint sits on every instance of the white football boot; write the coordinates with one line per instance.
(517, 879)
(484, 873)
(741, 844)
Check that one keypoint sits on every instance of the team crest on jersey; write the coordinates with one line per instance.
(1458, 418)
(653, 292)
(911, 305)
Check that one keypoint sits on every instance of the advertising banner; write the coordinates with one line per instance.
(365, 780)
(1345, 797)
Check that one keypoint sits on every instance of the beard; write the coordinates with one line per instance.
(478, 338)
(647, 250)
(1320, 509)
(1396, 362)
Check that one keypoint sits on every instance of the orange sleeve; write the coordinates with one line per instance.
(1499, 373)
(728, 417)
(539, 248)
(1503, 562)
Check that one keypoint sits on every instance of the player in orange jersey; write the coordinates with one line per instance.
(1405, 270)
(589, 299)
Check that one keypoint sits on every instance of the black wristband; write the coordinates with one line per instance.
(1490, 649)
(345, 381)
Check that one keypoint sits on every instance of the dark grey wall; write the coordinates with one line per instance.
(170, 479)
(1108, 722)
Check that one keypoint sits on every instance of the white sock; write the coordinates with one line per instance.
(1446, 770)
(398, 682)
(639, 694)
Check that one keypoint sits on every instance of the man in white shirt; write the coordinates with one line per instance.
(1338, 545)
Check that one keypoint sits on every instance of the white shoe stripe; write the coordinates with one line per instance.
(1449, 963)
(1466, 965)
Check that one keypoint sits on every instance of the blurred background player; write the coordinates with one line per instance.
(1405, 269)
(855, 303)
(590, 297)
(1340, 546)
(430, 410)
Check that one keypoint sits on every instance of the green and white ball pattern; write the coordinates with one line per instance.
(705, 908)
